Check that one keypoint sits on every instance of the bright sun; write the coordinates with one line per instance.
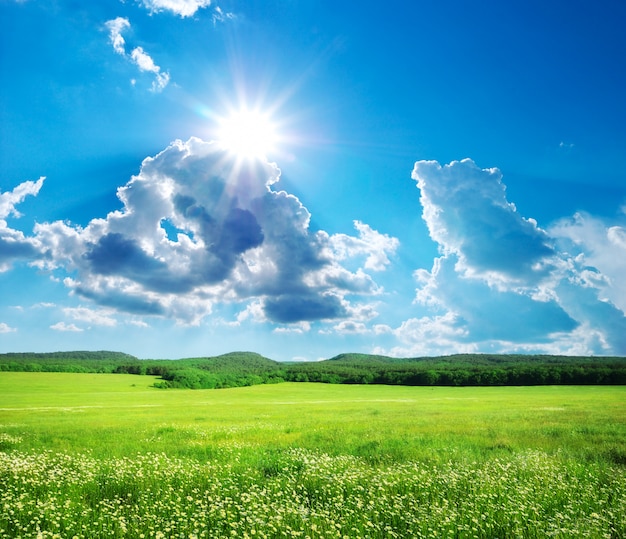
(249, 134)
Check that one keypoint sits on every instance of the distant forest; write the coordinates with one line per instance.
(247, 368)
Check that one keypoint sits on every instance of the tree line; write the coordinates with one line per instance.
(246, 368)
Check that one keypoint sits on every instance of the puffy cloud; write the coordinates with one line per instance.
(5, 328)
(467, 213)
(198, 227)
(370, 243)
(427, 336)
(137, 56)
(504, 284)
(601, 248)
(183, 8)
(14, 245)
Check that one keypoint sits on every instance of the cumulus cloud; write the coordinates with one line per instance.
(504, 284)
(183, 8)
(595, 243)
(467, 213)
(372, 244)
(138, 55)
(14, 245)
(5, 328)
(197, 228)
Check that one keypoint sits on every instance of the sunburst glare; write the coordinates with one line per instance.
(249, 134)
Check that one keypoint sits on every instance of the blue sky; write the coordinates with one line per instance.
(431, 177)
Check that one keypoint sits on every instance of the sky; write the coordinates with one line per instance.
(185, 178)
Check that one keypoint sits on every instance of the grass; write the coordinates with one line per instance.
(95, 455)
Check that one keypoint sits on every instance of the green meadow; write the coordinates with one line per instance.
(109, 455)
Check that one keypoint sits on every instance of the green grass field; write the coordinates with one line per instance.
(96, 455)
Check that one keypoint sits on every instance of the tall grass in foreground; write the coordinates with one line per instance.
(298, 493)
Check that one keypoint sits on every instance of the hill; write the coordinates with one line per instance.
(248, 368)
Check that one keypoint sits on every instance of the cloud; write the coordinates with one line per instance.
(220, 16)
(504, 284)
(9, 199)
(197, 229)
(467, 213)
(62, 326)
(183, 8)
(116, 27)
(98, 317)
(138, 55)
(14, 245)
(595, 243)
(370, 243)
(5, 328)
(145, 63)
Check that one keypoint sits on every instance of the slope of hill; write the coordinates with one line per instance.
(248, 368)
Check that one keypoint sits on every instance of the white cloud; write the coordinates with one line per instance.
(183, 8)
(372, 244)
(138, 55)
(504, 284)
(116, 27)
(220, 16)
(5, 328)
(467, 213)
(62, 326)
(145, 63)
(596, 244)
(14, 245)
(236, 239)
(9, 199)
(428, 336)
(98, 317)
(299, 328)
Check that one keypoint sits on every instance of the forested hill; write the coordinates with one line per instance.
(247, 368)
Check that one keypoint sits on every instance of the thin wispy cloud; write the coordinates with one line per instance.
(138, 56)
(63, 327)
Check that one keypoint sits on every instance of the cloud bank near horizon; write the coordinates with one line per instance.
(198, 229)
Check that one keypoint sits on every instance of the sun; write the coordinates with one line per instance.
(248, 134)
